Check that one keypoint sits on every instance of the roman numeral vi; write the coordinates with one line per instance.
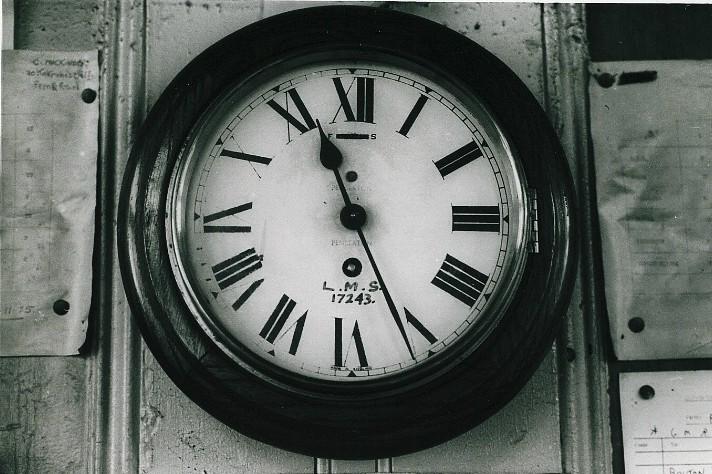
(339, 355)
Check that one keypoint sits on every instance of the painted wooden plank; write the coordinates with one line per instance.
(522, 437)
(510, 31)
(45, 425)
(178, 436)
(42, 414)
(177, 31)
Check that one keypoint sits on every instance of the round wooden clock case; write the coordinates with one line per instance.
(347, 232)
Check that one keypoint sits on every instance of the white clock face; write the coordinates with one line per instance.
(267, 263)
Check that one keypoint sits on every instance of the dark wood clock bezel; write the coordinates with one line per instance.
(365, 423)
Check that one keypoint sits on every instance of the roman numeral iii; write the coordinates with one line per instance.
(458, 158)
(277, 320)
(460, 280)
(226, 213)
(475, 218)
(364, 99)
(305, 124)
(234, 269)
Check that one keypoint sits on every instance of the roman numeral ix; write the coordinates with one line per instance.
(460, 280)
(364, 99)
(458, 158)
(476, 218)
(226, 213)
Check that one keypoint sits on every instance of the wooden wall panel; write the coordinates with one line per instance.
(44, 414)
(512, 32)
(522, 437)
(178, 436)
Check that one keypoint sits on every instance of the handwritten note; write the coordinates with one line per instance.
(48, 179)
(651, 123)
(667, 422)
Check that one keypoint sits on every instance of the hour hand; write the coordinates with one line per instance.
(329, 155)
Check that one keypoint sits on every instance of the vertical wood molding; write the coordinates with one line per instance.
(584, 400)
(114, 371)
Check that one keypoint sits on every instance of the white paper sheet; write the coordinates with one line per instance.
(48, 179)
(671, 431)
(653, 159)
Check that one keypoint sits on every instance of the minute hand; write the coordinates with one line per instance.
(331, 158)
(386, 294)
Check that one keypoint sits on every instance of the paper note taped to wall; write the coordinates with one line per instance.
(48, 178)
(652, 133)
(667, 422)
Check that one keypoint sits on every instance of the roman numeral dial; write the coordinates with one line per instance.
(381, 203)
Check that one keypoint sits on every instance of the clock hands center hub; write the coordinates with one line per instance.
(353, 216)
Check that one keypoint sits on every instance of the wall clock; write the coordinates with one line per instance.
(347, 232)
